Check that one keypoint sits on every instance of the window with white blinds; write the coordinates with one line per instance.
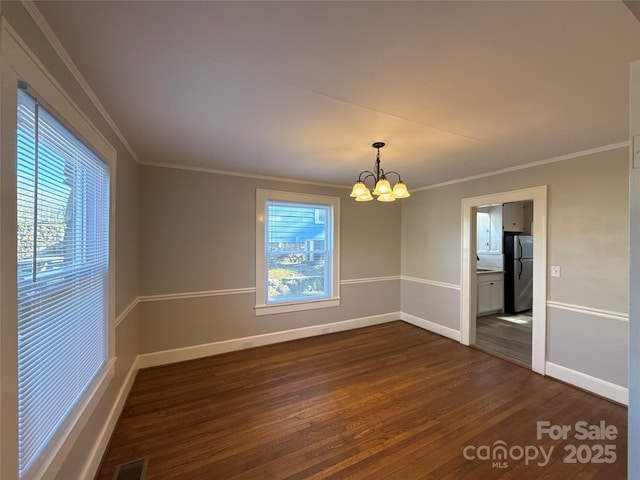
(297, 263)
(63, 258)
(299, 240)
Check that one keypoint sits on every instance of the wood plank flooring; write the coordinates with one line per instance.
(508, 336)
(385, 402)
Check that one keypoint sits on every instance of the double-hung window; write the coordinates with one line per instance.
(63, 278)
(297, 246)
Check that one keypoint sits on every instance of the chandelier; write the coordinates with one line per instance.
(382, 188)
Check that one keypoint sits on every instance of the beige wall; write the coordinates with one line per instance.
(634, 313)
(191, 242)
(126, 239)
(197, 234)
(588, 237)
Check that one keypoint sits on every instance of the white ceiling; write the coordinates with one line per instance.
(302, 89)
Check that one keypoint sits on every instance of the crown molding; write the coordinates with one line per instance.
(537, 163)
(215, 171)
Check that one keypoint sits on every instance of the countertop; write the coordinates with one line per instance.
(482, 271)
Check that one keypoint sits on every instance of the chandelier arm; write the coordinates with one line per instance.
(368, 174)
(399, 178)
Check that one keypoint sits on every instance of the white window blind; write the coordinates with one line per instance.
(298, 251)
(63, 249)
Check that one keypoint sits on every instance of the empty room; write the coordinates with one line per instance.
(319, 239)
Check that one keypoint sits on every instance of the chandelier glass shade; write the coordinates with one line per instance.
(381, 186)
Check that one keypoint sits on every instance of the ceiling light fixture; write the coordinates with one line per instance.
(382, 189)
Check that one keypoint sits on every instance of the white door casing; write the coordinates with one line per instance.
(468, 273)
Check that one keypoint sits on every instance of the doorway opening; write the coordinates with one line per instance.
(474, 290)
(504, 268)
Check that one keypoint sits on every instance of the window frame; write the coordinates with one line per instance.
(263, 307)
(20, 63)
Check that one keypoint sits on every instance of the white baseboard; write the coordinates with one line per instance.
(431, 326)
(198, 351)
(91, 466)
(587, 382)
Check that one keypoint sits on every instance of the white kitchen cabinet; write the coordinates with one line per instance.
(513, 217)
(490, 292)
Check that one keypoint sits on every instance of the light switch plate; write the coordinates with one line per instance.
(555, 271)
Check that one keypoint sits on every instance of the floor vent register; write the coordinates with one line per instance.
(135, 470)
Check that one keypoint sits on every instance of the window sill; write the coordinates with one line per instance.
(296, 307)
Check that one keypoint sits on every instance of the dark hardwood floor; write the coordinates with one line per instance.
(385, 402)
(508, 336)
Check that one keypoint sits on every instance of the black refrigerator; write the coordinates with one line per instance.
(518, 272)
